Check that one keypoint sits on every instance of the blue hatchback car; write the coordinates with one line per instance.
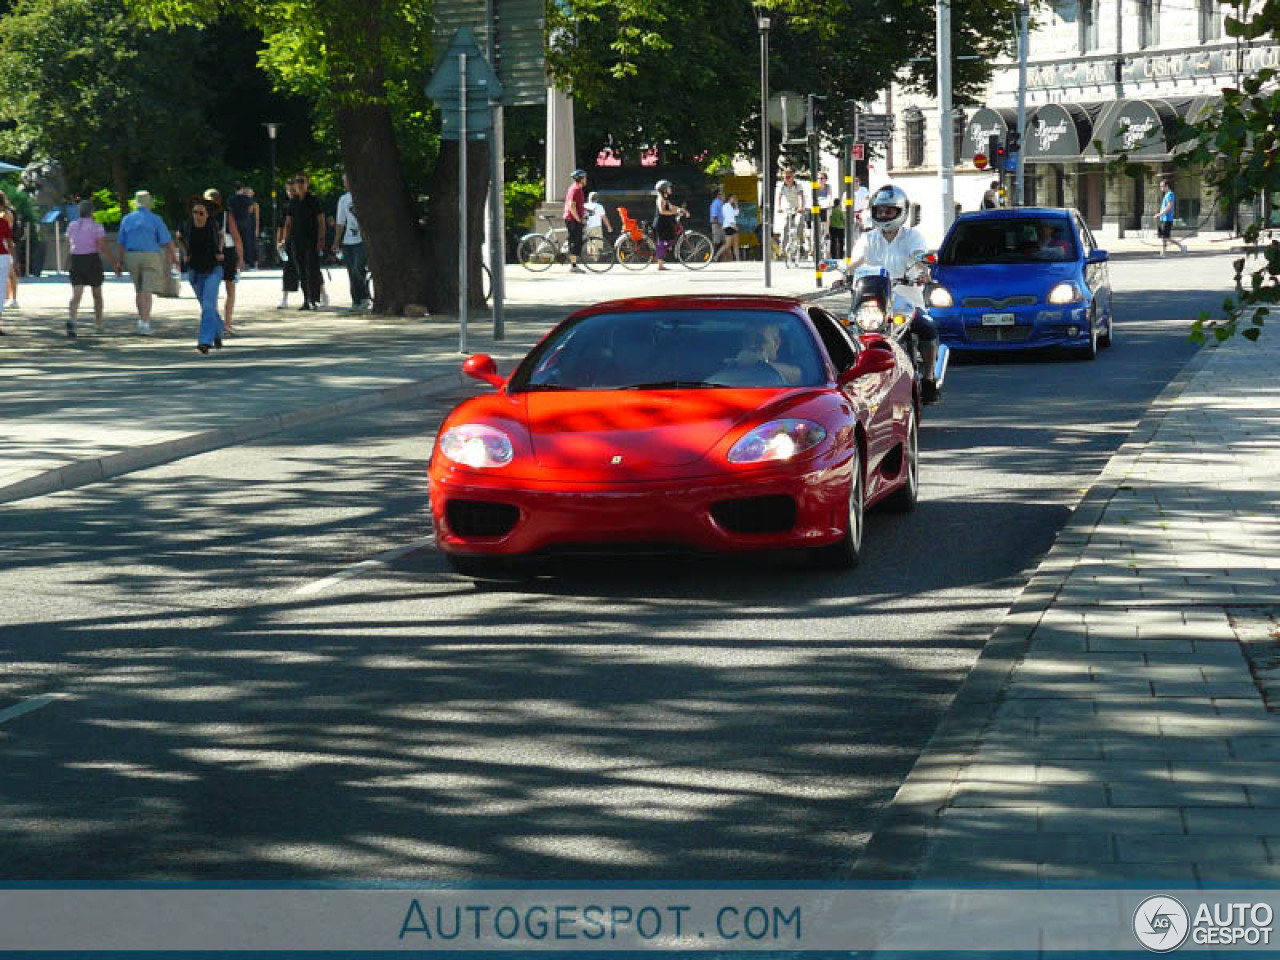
(1025, 278)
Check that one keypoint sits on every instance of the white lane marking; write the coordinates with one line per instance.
(365, 566)
(35, 703)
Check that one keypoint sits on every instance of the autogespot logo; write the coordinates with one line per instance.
(1161, 924)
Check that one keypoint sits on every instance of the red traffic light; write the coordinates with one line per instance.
(980, 161)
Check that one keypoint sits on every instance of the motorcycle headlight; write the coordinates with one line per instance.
(870, 317)
(777, 440)
(941, 297)
(477, 445)
(1065, 292)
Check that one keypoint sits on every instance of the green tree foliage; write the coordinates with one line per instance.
(685, 73)
(112, 101)
(1238, 149)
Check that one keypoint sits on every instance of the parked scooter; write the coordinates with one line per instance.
(886, 305)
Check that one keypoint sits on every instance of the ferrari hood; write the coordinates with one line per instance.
(634, 430)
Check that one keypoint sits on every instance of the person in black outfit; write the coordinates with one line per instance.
(245, 211)
(202, 248)
(304, 239)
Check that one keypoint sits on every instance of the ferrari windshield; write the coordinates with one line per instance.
(675, 349)
(1009, 240)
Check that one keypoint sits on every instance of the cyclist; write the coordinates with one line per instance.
(575, 215)
(664, 221)
(894, 246)
(789, 204)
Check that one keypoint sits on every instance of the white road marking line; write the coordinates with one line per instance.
(35, 703)
(365, 566)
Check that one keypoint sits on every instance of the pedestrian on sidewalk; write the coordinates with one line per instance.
(350, 243)
(289, 271)
(7, 254)
(665, 213)
(1164, 218)
(146, 249)
(575, 215)
(861, 201)
(715, 215)
(597, 218)
(245, 211)
(11, 276)
(232, 254)
(204, 249)
(729, 223)
(304, 226)
(88, 241)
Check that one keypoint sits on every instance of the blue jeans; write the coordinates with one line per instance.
(357, 271)
(206, 288)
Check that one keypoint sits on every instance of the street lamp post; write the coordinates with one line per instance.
(766, 186)
(272, 130)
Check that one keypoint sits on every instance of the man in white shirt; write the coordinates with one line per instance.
(861, 198)
(789, 204)
(597, 218)
(891, 244)
(350, 241)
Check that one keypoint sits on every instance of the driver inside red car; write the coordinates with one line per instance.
(763, 343)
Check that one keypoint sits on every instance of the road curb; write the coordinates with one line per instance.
(902, 835)
(84, 472)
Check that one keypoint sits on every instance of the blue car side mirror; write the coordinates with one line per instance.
(1098, 256)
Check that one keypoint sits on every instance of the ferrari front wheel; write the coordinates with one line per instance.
(845, 554)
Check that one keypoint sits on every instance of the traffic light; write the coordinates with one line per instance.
(998, 154)
(993, 149)
(1013, 142)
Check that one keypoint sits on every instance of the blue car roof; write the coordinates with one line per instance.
(1004, 213)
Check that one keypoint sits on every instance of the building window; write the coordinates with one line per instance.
(959, 127)
(1148, 23)
(915, 138)
(1089, 25)
(1210, 21)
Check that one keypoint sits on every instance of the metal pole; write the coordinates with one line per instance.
(497, 175)
(815, 229)
(462, 203)
(946, 136)
(846, 161)
(1019, 182)
(766, 187)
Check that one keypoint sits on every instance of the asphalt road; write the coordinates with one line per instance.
(231, 696)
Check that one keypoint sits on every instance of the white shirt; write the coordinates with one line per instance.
(790, 197)
(729, 216)
(595, 214)
(346, 217)
(894, 257)
(861, 197)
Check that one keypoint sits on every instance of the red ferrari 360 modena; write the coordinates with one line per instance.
(707, 423)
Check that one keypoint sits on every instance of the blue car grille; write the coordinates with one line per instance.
(998, 334)
(1021, 300)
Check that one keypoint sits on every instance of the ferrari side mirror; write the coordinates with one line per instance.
(870, 360)
(482, 367)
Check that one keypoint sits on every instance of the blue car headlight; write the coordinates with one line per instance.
(941, 298)
(1064, 293)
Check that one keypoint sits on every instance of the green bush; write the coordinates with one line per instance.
(107, 210)
(521, 200)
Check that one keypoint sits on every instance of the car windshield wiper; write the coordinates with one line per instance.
(670, 385)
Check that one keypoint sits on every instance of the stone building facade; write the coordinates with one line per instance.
(1104, 76)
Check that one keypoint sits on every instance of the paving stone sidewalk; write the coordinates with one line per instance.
(1115, 728)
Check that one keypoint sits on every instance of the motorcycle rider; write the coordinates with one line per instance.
(894, 246)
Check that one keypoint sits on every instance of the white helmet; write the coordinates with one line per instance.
(662, 186)
(890, 208)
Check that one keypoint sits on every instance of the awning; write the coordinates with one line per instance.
(1142, 129)
(1057, 133)
(986, 123)
(9, 167)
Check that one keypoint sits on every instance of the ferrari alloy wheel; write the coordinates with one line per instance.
(904, 499)
(845, 554)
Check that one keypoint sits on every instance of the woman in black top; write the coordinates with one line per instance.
(202, 244)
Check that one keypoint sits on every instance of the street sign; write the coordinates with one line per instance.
(520, 58)
(445, 88)
(793, 105)
(980, 161)
(859, 151)
(875, 127)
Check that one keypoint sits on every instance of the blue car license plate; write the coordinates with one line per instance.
(997, 319)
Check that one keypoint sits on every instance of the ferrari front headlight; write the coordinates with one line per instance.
(1065, 292)
(477, 445)
(777, 440)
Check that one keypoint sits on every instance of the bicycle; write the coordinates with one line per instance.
(636, 248)
(795, 239)
(538, 251)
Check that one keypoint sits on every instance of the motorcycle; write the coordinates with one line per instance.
(886, 305)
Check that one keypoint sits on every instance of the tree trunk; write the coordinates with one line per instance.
(395, 243)
(442, 223)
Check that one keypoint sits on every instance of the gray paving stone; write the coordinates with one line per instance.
(976, 794)
(1253, 773)
(1256, 748)
(1153, 874)
(1244, 689)
(1172, 794)
(1159, 848)
(1217, 726)
(1146, 748)
(1139, 820)
(1254, 822)
(1102, 771)
(1220, 872)
(1025, 848)
(1138, 645)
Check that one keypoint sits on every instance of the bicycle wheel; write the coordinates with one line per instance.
(486, 282)
(635, 254)
(597, 256)
(694, 249)
(536, 252)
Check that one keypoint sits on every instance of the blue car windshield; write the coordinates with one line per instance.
(1009, 240)
(675, 349)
